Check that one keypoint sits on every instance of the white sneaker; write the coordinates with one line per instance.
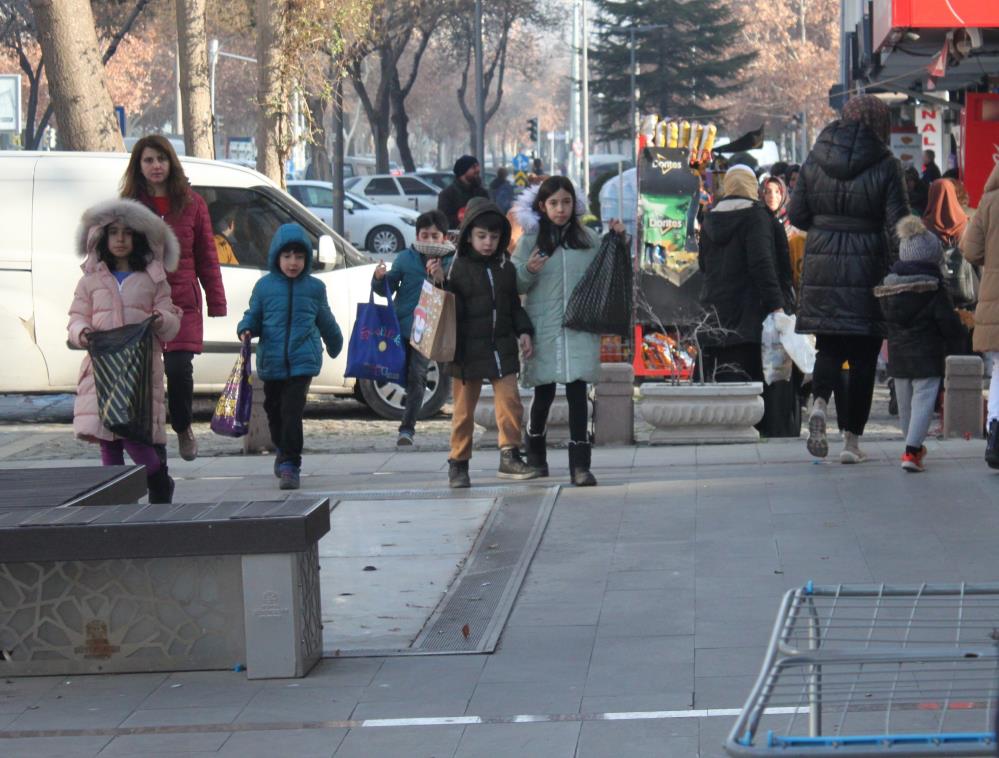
(818, 443)
(851, 449)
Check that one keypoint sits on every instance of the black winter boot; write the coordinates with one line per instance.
(512, 466)
(160, 486)
(457, 475)
(992, 445)
(537, 453)
(579, 464)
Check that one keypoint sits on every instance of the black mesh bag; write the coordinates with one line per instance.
(122, 360)
(601, 302)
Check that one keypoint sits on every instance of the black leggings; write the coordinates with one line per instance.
(177, 364)
(575, 394)
(862, 354)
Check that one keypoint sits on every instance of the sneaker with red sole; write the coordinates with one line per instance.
(913, 462)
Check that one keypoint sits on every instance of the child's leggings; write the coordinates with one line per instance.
(113, 454)
(916, 400)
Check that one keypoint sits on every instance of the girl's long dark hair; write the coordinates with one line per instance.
(550, 236)
(133, 183)
(138, 259)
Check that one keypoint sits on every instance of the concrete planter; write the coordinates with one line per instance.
(558, 417)
(702, 413)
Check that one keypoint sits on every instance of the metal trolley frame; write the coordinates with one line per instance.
(862, 670)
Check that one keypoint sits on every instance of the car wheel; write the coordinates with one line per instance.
(388, 399)
(384, 240)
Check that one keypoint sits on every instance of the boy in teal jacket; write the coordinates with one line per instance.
(289, 312)
(412, 267)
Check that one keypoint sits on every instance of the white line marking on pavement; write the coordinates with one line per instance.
(423, 721)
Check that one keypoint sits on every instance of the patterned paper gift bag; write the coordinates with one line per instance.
(232, 411)
(434, 327)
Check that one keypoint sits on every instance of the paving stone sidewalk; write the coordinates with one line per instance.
(651, 598)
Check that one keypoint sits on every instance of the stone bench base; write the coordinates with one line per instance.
(707, 413)
(124, 615)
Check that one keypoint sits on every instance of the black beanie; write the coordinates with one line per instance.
(464, 163)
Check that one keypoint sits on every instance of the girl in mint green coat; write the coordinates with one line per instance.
(551, 258)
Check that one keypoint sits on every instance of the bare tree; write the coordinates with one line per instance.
(68, 38)
(192, 44)
(18, 33)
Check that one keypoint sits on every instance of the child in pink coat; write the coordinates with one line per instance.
(127, 252)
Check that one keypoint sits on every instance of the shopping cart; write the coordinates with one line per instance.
(861, 670)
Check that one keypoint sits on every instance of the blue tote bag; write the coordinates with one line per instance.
(376, 349)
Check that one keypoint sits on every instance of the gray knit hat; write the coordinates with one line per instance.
(916, 242)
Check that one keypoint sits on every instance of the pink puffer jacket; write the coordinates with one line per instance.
(100, 304)
(198, 266)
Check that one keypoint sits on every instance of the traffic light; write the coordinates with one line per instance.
(532, 129)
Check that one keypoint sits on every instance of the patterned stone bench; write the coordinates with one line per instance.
(133, 588)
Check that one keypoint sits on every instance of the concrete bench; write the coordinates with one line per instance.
(86, 485)
(135, 588)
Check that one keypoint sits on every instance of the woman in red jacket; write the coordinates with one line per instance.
(155, 177)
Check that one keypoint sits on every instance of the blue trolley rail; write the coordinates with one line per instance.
(861, 670)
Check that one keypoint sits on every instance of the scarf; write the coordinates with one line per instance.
(944, 215)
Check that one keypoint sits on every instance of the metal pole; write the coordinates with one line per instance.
(179, 115)
(213, 57)
(572, 160)
(480, 95)
(586, 105)
(636, 119)
(338, 139)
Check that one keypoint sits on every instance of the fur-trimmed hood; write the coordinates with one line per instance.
(896, 284)
(162, 242)
(527, 218)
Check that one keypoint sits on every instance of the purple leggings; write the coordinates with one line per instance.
(113, 454)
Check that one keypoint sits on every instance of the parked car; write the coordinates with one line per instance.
(408, 191)
(378, 228)
(43, 195)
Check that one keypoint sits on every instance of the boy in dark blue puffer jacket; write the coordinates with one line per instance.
(289, 312)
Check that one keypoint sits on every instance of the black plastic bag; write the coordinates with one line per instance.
(601, 302)
(122, 360)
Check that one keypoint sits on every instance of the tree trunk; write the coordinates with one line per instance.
(271, 96)
(338, 142)
(196, 101)
(83, 107)
(320, 166)
(401, 121)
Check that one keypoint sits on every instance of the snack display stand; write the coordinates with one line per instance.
(672, 156)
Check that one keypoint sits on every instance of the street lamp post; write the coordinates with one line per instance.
(480, 95)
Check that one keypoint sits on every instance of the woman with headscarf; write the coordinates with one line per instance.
(741, 282)
(849, 197)
(944, 215)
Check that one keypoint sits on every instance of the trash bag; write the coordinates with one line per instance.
(776, 362)
(122, 360)
(232, 411)
(601, 302)
(376, 350)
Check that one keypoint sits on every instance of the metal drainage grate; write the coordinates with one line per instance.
(471, 616)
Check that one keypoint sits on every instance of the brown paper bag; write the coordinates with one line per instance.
(434, 328)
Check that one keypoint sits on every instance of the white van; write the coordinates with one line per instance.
(43, 195)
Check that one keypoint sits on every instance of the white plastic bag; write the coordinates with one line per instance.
(799, 347)
(776, 362)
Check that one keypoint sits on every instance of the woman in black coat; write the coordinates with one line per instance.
(741, 284)
(849, 197)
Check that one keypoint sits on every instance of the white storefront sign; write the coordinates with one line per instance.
(10, 102)
(929, 125)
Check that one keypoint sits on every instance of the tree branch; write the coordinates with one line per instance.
(123, 32)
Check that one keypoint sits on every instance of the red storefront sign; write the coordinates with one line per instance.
(890, 15)
(980, 142)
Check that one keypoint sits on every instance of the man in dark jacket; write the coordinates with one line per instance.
(466, 185)
(493, 328)
(849, 197)
(923, 328)
(741, 285)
